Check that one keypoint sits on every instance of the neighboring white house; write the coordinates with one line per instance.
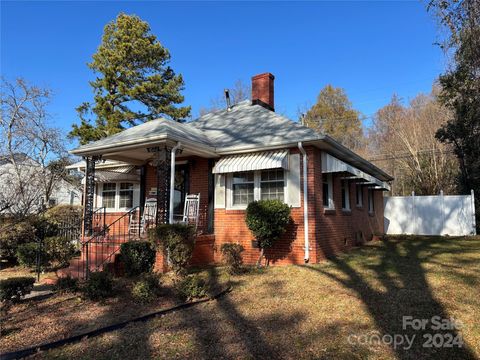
(22, 190)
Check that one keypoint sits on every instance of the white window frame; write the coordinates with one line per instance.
(331, 202)
(256, 189)
(358, 190)
(345, 185)
(117, 207)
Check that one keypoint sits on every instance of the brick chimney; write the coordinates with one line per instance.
(262, 90)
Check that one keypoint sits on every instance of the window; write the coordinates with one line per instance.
(328, 191)
(345, 195)
(359, 195)
(371, 206)
(243, 186)
(108, 195)
(126, 195)
(272, 185)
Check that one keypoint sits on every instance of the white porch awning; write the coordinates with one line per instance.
(252, 161)
(331, 164)
(121, 173)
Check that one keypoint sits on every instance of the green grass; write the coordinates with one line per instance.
(308, 312)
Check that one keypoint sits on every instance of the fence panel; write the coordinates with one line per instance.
(430, 215)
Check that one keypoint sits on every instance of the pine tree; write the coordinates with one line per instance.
(134, 83)
(333, 115)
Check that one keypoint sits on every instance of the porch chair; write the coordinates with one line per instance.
(148, 218)
(191, 210)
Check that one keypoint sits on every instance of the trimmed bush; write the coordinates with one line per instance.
(14, 288)
(59, 249)
(27, 255)
(267, 220)
(138, 257)
(178, 240)
(67, 284)
(98, 286)
(61, 213)
(192, 287)
(147, 288)
(232, 256)
(13, 235)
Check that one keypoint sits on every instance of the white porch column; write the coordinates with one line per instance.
(172, 182)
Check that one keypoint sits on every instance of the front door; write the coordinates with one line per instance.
(180, 190)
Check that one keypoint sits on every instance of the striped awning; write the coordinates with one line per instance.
(122, 173)
(252, 161)
(331, 164)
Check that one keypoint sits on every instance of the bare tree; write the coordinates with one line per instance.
(28, 145)
(238, 93)
(402, 141)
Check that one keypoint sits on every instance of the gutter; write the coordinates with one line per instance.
(172, 182)
(305, 202)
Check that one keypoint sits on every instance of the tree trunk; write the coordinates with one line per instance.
(259, 261)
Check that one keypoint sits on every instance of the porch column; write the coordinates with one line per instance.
(89, 193)
(172, 181)
(162, 162)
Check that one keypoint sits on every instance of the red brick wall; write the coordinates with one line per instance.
(329, 232)
(230, 227)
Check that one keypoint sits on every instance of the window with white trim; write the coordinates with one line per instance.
(359, 195)
(371, 203)
(272, 185)
(345, 195)
(109, 192)
(328, 191)
(126, 195)
(247, 186)
(243, 188)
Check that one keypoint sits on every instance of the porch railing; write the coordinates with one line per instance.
(104, 244)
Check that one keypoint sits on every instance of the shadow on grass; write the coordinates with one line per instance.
(405, 292)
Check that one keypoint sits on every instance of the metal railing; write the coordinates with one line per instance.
(98, 250)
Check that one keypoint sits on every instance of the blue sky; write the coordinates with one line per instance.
(371, 49)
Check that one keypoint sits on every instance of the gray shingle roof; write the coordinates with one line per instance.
(151, 130)
(247, 125)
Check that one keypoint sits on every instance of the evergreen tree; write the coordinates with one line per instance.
(134, 83)
(334, 115)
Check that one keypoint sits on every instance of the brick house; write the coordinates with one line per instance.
(232, 157)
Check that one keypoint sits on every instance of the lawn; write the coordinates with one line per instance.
(318, 311)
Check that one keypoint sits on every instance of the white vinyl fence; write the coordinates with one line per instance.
(430, 215)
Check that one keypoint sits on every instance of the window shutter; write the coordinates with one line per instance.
(293, 196)
(219, 191)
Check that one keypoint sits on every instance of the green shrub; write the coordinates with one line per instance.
(98, 286)
(267, 220)
(44, 228)
(62, 213)
(178, 240)
(59, 249)
(27, 255)
(147, 288)
(67, 284)
(12, 235)
(13, 288)
(192, 287)
(138, 257)
(232, 256)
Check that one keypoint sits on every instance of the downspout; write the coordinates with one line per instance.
(305, 201)
(172, 182)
